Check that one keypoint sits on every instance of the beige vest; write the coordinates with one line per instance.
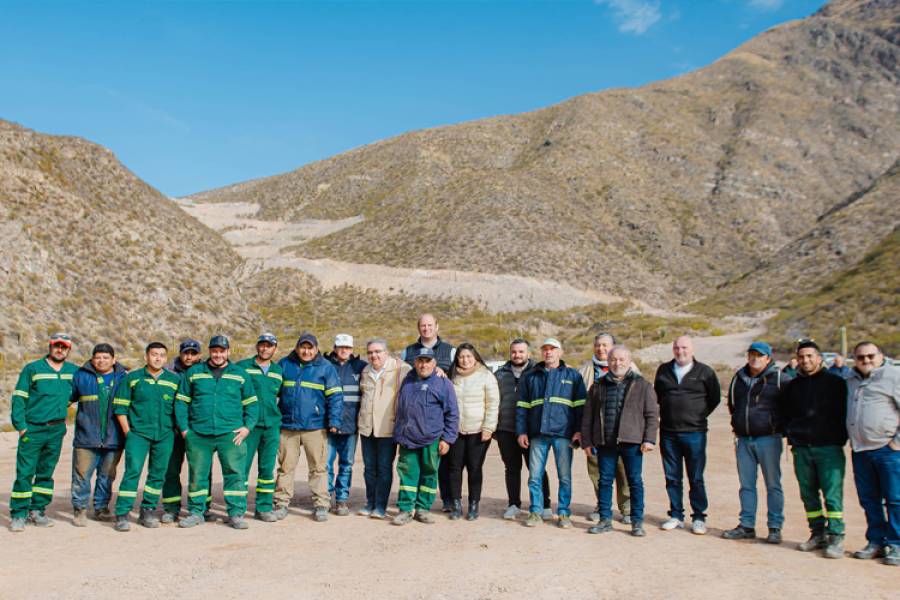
(378, 399)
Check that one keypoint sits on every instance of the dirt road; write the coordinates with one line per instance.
(355, 557)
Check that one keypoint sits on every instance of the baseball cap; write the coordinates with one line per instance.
(424, 353)
(267, 337)
(551, 342)
(189, 344)
(343, 340)
(219, 341)
(61, 338)
(760, 347)
(308, 338)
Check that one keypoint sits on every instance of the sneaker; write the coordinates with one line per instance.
(815, 541)
(191, 520)
(281, 512)
(39, 519)
(672, 523)
(871, 551)
(80, 518)
(740, 533)
(17, 525)
(892, 555)
(103, 514)
(602, 526)
(321, 514)
(209, 517)
(424, 517)
(626, 519)
(547, 515)
(637, 529)
(168, 517)
(564, 522)
(594, 515)
(342, 510)
(512, 511)
(148, 519)
(266, 516)
(774, 536)
(378, 514)
(698, 527)
(238, 522)
(402, 518)
(835, 547)
(365, 511)
(534, 519)
(122, 523)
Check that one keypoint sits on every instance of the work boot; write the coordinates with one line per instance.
(455, 510)
(39, 519)
(872, 550)
(637, 529)
(281, 512)
(208, 516)
(102, 515)
(266, 517)
(892, 555)
(534, 519)
(774, 536)
(168, 517)
(191, 520)
(80, 517)
(594, 515)
(473, 511)
(447, 506)
(740, 533)
(816, 540)
(342, 510)
(238, 522)
(148, 519)
(423, 516)
(17, 525)
(402, 518)
(122, 523)
(321, 514)
(602, 526)
(835, 547)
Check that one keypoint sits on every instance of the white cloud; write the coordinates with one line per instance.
(634, 16)
(766, 4)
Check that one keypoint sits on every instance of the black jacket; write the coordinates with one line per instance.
(815, 410)
(685, 406)
(755, 404)
(509, 395)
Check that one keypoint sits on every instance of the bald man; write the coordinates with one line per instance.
(688, 392)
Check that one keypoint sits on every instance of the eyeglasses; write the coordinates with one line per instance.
(861, 357)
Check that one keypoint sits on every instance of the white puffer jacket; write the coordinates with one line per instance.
(478, 397)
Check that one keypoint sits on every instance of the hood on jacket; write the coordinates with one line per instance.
(117, 369)
(744, 372)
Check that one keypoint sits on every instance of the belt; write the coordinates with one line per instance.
(53, 422)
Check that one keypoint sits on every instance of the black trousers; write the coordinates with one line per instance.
(468, 451)
(513, 457)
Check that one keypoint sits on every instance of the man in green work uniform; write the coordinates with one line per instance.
(215, 410)
(263, 439)
(144, 407)
(39, 405)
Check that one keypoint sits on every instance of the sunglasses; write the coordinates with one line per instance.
(862, 357)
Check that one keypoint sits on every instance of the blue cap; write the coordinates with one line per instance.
(219, 341)
(268, 337)
(308, 338)
(189, 344)
(424, 353)
(760, 347)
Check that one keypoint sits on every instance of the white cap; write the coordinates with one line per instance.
(551, 342)
(343, 339)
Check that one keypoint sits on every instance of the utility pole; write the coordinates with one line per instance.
(843, 340)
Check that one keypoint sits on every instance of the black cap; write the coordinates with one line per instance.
(308, 338)
(219, 341)
(189, 344)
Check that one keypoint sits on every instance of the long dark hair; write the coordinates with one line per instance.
(454, 368)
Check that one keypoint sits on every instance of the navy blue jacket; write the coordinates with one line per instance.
(550, 402)
(427, 411)
(311, 394)
(755, 403)
(85, 391)
(349, 374)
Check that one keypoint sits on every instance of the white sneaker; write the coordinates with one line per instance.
(698, 527)
(672, 523)
(511, 512)
(547, 515)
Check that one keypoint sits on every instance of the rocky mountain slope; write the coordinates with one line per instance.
(660, 193)
(91, 249)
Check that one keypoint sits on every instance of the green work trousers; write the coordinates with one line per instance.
(820, 469)
(137, 449)
(36, 458)
(172, 485)
(418, 473)
(233, 460)
(263, 442)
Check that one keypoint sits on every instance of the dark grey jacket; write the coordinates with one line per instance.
(509, 395)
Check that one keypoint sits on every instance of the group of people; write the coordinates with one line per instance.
(434, 409)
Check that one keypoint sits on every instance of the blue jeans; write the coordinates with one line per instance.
(343, 447)
(633, 460)
(680, 450)
(754, 453)
(877, 476)
(537, 461)
(378, 460)
(86, 461)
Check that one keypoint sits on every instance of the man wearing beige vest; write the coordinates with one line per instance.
(592, 371)
(379, 385)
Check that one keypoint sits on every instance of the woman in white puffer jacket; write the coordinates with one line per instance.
(478, 397)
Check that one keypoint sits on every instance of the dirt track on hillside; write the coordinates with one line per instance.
(354, 557)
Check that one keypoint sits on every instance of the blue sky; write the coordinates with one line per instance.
(199, 94)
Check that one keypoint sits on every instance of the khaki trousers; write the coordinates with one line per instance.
(315, 444)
